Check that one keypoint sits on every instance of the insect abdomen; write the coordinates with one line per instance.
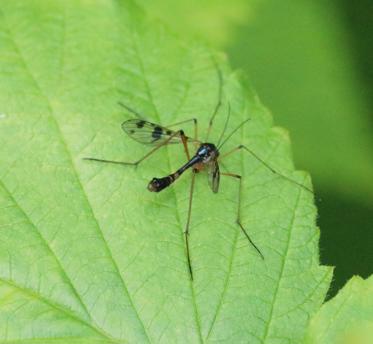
(158, 184)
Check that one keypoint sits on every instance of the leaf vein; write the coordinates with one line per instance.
(17, 50)
(34, 295)
(141, 65)
(283, 264)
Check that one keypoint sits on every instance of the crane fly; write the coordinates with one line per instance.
(206, 158)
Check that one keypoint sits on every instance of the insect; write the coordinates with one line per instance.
(206, 158)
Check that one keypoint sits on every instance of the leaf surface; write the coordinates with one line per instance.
(347, 318)
(87, 254)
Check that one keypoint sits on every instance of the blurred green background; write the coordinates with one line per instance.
(311, 63)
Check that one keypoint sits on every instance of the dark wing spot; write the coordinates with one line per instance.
(157, 133)
(168, 132)
(132, 131)
(140, 124)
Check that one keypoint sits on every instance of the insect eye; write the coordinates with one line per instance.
(202, 152)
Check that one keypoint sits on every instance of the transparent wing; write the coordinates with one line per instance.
(149, 133)
(214, 176)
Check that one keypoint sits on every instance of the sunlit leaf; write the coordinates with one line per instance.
(347, 318)
(87, 254)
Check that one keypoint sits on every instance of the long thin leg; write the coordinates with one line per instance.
(184, 140)
(133, 111)
(217, 106)
(186, 121)
(238, 220)
(136, 163)
(265, 164)
(186, 232)
(225, 125)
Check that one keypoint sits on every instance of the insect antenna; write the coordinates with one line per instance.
(233, 132)
(225, 125)
(137, 114)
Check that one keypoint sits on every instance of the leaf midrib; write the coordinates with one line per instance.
(197, 318)
(283, 264)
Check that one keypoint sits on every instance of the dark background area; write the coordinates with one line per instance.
(359, 21)
(310, 94)
(352, 216)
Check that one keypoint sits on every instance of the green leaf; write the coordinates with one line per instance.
(347, 318)
(87, 254)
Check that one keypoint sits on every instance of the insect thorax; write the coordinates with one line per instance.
(207, 152)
